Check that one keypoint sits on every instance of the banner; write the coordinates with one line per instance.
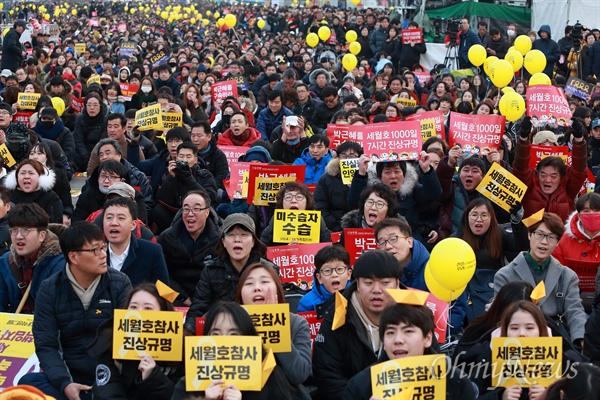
(234, 359)
(139, 333)
(172, 120)
(432, 124)
(501, 187)
(273, 171)
(579, 88)
(476, 134)
(159, 58)
(357, 241)
(348, 168)
(28, 101)
(424, 375)
(392, 141)
(406, 102)
(150, 118)
(22, 116)
(539, 152)
(233, 153)
(93, 22)
(122, 27)
(77, 104)
(266, 189)
(338, 134)
(586, 272)
(80, 48)
(547, 105)
(9, 160)
(17, 350)
(272, 322)
(296, 262)
(526, 361)
(237, 183)
(127, 48)
(221, 90)
(301, 226)
(128, 90)
(412, 35)
(314, 324)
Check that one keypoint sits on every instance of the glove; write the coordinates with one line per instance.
(577, 128)
(134, 137)
(516, 213)
(525, 128)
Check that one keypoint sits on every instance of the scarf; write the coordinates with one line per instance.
(51, 134)
(241, 139)
(98, 120)
(206, 150)
(372, 330)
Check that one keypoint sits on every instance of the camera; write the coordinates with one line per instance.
(577, 35)
(452, 27)
(181, 165)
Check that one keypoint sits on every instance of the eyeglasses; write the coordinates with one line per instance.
(290, 197)
(23, 231)
(97, 250)
(195, 210)
(391, 240)
(378, 204)
(328, 271)
(4, 112)
(345, 156)
(110, 178)
(551, 238)
(475, 217)
(92, 105)
(331, 100)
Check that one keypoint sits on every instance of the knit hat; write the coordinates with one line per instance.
(257, 153)
(545, 136)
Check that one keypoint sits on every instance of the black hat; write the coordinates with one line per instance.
(7, 107)
(21, 22)
(49, 112)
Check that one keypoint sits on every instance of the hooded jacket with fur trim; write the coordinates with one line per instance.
(43, 195)
(331, 196)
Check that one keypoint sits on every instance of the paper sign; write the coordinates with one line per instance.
(578, 87)
(314, 324)
(28, 101)
(122, 27)
(526, 361)
(392, 141)
(233, 153)
(406, 102)
(138, 333)
(159, 58)
(425, 375)
(77, 103)
(476, 134)
(266, 188)
(547, 106)
(273, 171)
(586, 272)
(9, 160)
(348, 168)
(23, 117)
(357, 241)
(128, 90)
(221, 90)
(150, 118)
(539, 152)
(412, 35)
(272, 322)
(238, 179)
(299, 225)
(296, 262)
(502, 187)
(172, 120)
(94, 22)
(80, 48)
(17, 350)
(339, 134)
(423, 77)
(432, 124)
(234, 359)
(127, 48)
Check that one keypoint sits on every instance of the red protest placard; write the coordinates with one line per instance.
(423, 77)
(430, 121)
(412, 35)
(76, 104)
(221, 90)
(128, 90)
(392, 141)
(476, 134)
(314, 324)
(441, 312)
(338, 134)
(122, 27)
(23, 116)
(235, 183)
(296, 262)
(233, 153)
(538, 152)
(200, 322)
(547, 106)
(273, 171)
(357, 241)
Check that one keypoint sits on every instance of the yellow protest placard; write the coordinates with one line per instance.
(425, 375)
(150, 118)
(245, 181)
(299, 225)
(28, 101)
(407, 102)
(272, 322)
(80, 48)
(93, 79)
(502, 187)
(9, 160)
(233, 359)
(172, 120)
(17, 348)
(348, 168)
(266, 189)
(157, 333)
(526, 361)
(428, 129)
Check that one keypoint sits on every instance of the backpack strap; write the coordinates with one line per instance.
(561, 297)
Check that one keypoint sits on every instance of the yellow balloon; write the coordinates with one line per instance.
(312, 39)
(208, 13)
(351, 36)
(220, 22)
(185, 15)
(452, 263)
(126, 8)
(164, 15)
(11, 12)
(47, 17)
(192, 21)
(217, 14)
(438, 290)
(260, 23)
(355, 48)
(1, 6)
(535, 61)
(512, 106)
(523, 44)
(230, 20)
(515, 59)
(501, 73)
(355, 2)
(74, 12)
(132, 11)
(6, 30)
(205, 21)
(507, 89)
(33, 7)
(477, 54)
(539, 79)
(349, 62)
(58, 104)
(488, 63)
(324, 33)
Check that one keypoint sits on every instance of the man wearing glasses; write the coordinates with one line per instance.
(70, 307)
(34, 256)
(467, 39)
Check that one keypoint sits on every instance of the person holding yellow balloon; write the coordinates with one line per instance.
(549, 47)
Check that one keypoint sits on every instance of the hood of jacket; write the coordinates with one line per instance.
(574, 231)
(66, 93)
(411, 179)
(545, 28)
(333, 167)
(45, 181)
(50, 247)
(419, 259)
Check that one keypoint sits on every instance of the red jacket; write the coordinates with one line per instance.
(225, 138)
(562, 201)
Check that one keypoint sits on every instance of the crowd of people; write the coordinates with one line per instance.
(155, 205)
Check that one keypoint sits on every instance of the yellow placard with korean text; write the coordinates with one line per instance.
(245, 181)
(526, 361)
(266, 189)
(157, 333)
(93, 79)
(407, 102)
(80, 48)
(348, 168)
(425, 375)
(233, 359)
(502, 187)
(428, 129)
(272, 322)
(150, 118)
(9, 160)
(17, 349)
(28, 101)
(299, 225)
(172, 120)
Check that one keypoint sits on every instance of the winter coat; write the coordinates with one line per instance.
(184, 268)
(297, 364)
(365, 48)
(569, 304)
(49, 261)
(140, 100)
(61, 135)
(216, 162)
(145, 262)
(467, 39)
(44, 196)
(225, 138)
(171, 83)
(411, 55)
(4, 236)
(330, 196)
(594, 154)
(550, 49)
(287, 153)
(88, 131)
(592, 67)
(377, 40)
(174, 188)
(62, 188)
(323, 115)
(267, 235)
(591, 348)
(267, 121)
(316, 298)
(63, 329)
(94, 160)
(12, 50)
(500, 47)
(561, 202)
(307, 109)
(66, 95)
(314, 168)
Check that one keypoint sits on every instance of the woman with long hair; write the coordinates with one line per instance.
(192, 99)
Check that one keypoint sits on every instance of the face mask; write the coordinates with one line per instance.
(103, 190)
(510, 32)
(293, 142)
(146, 89)
(590, 222)
(104, 86)
(47, 125)
(172, 64)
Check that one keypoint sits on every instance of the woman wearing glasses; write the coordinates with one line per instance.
(562, 302)
(377, 202)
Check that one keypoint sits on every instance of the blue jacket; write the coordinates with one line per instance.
(467, 39)
(317, 296)
(314, 169)
(49, 261)
(145, 262)
(377, 39)
(592, 67)
(171, 82)
(550, 49)
(267, 121)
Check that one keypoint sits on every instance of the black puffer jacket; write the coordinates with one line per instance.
(330, 196)
(87, 133)
(216, 162)
(63, 329)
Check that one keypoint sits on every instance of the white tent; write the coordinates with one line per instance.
(560, 13)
